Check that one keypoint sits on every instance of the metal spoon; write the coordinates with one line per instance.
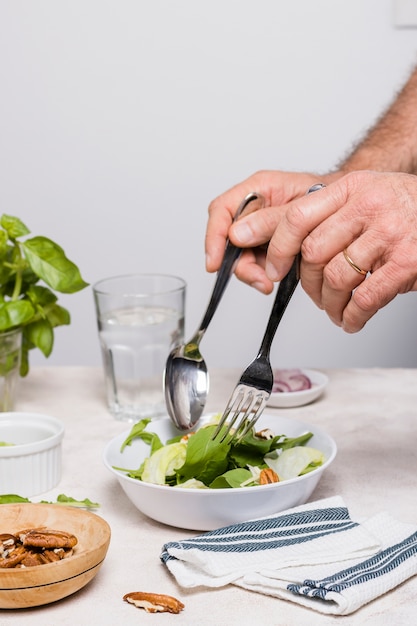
(186, 379)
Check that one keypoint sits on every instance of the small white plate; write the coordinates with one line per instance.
(286, 400)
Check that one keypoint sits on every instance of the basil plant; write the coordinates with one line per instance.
(24, 303)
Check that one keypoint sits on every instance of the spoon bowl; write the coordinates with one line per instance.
(186, 378)
(186, 386)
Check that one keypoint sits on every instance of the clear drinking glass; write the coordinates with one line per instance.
(140, 320)
(10, 357)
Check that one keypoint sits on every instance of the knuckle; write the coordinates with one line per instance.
(333, 277)
(364, 298)
(310, 251)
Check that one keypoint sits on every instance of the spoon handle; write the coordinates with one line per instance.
(252, 202)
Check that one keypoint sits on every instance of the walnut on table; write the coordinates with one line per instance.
(154, 602)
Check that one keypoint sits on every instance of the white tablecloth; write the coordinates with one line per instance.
(372, 415)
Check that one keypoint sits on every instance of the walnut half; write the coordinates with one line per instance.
(268, 476)
(154, 602)
(47, 538)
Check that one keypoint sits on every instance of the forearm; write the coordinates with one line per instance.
(391, 145)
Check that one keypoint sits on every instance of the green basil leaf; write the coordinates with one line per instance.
(14, 226)
(40, 295)
(57, 315)
(4, 247)
(47, 259)
(15, 313)
(41, 335)
(24, 357)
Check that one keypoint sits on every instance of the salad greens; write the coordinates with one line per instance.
(196, 461)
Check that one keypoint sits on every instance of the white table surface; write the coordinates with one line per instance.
(372, 415)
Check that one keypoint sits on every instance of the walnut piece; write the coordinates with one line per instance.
(268, 476)
(35, 546)
(154, 602)
(47, 538)
(266, 433)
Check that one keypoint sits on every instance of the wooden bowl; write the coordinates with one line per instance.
(42, 584)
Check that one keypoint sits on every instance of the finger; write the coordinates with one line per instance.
(220, 218)
(346, 271)
(300, 218)
(277, 189)
(256, 229)
(381, 287)
(221, 213)
(374, 293)
(250, 270)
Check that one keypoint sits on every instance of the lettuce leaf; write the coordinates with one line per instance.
(163, 463)
(295, 461)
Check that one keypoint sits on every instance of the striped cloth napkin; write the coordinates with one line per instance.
(314, 555)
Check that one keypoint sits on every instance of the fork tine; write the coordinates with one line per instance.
(246, 400)
(248, 395)
(246, 425)
(236, 400)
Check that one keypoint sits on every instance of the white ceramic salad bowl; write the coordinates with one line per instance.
(207, 509)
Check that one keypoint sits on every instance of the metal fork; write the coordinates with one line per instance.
(252, 392)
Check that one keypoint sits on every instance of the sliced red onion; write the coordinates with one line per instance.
(287, 380)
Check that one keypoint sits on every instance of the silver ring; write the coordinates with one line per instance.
(315, 187)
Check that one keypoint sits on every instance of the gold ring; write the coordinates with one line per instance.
(353, 264)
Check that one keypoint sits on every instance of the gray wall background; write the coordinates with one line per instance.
(121, 119)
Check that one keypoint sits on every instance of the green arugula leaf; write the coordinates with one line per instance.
(137, 431)
(205, 459)
(85, 504)
(231, 479)
(291, 442)
(11, 498)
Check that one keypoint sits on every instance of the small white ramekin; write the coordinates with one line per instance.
(31, 463)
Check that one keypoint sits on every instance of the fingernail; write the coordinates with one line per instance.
(271, 272)
(242, 232)
(259, 286)
(208, 260)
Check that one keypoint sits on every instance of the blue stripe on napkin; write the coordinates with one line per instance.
(379, 565)
(268, 533)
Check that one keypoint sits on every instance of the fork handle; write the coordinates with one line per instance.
(253, 201)
(285, 291)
